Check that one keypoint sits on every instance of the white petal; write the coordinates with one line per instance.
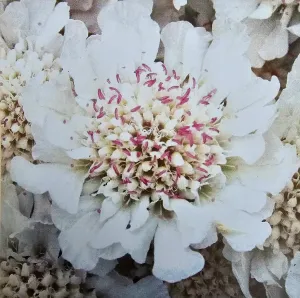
(74, 58)
(252, 119)
(292, 280)
(263, 11)
(173, 37)
(112, 252)
(276, 45)
(278, 163)
(257, 91)
(172, 261)
(82, 153)
(45, 151)
(259, 269)
(139, 214)
(63, 184)
(236, 10)
(239, 197)
(108, 209)
(137, 242)
(250, 148)
(117, 223)
(74, 242)
(295, 29)
(225, 61)
(57, 20)
(61, 132)
(193, 222)
(179, 3)
(241, 230)
(103, 267)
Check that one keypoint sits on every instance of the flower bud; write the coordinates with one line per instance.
(292, 202)
(275, 218)
(177, 160)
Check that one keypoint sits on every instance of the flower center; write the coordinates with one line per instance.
(155, 135)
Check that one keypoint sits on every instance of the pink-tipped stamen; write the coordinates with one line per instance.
(168, 78)
(138, 72)
(127, 152)
(202, 170)
(130, 167)
(206, 137)
(150, 83)
(112, 99)
(145, 181)
(146, 67)
(161, 87)
(117, 142)
(118, 78)
(190, 155)
(115, 168)
(150, 75)
(116, 113)
(108, 81)
(161, 173)
(95, 105)
(164, 68)
(95, 167)
(214, 129)
(91, 134)
(135, 109)
(101, 95)
(194, 83)
(198, 126)
(173, 88)
(122, 120)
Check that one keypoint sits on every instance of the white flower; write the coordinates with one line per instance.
(173, 147)
(269, 24)
(28, 51)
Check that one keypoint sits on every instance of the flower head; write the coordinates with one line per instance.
(27, 54)
(269, 24)
(149, 149)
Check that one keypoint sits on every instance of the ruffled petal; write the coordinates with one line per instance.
(63, 184)
(172, 260)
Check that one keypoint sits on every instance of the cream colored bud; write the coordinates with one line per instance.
(187, 169)
(132, 185)
(104, 151)
(146, 166)
(295, 227)
(177, 160)
(117, 154)
(290, 241)
(3, 106)
(47, 280)
(22, 290)
(15, 128)
(284, 234)
(290, 185)
(6, 266)
(194, 185)
(275, 218)
(125, 136)
(25, 270)
(28, 129)
(148, 116)
(276, 246)
(275, 233)
(75, 280)
(278, 199)
(111, 173)
(286, 222)
(7, 122)
(292, 202)
(2, 115)
(8, 292)
(182, 183)
(14, 280)
(32, 282)
(6, 140)
(22, 143)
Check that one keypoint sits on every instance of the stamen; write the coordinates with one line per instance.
(149, 75)
(138, 72)
(91, 134)
(206, 137)
(161, 173)
(118, 78)
(112, 99)
(116, 113)
(130, 167)
(95, 167)
(198, 126)
(135, 109)
(209, 161)
(150, 83)
(146, 67)
(164, 68)
(101, 94)
(94, 105)
(191, 155)
(117, 142)
(145, 181)
(108, 81)
(160, 86)
(202, 170)
(127, 152)
(173, 87)
(175, 75)
(194, 83)
(115, 168)
(168, 79)
(118, 93)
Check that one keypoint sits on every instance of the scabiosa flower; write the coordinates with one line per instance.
(271, 24)
(29, 50)
(165, 151)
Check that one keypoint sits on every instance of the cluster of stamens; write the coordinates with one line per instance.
(153, 140)
(19, 65)
(285, 220)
